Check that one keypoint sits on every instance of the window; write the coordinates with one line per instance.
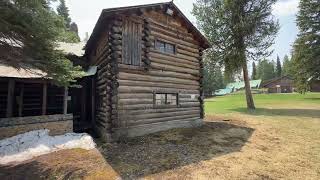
(131, 42)
(165, 47)
(166, 99)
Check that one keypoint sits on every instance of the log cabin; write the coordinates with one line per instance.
(144, 74)
(283, 84)
(149, 76)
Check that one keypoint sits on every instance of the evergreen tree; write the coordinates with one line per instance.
(28, 32)
(306, 54)
(228, 77)
(278, 67)
(254, 71)
(63, 11)
(265, 70)
(213, 79)
(238, 31)
(69, 33)
(286, 68)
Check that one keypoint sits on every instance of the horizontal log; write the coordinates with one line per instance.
(163, 119)
(156, 110)
(160, 73)
(182, 31)
(148, 116)
(183, 100)
(151, 106)
(173, 33)
(156, 84)
(135, 101)
(174, 40)
(173, 68)
(174, 63)
(135, 95)
(170, 57)
(156, 78)
(187, 53)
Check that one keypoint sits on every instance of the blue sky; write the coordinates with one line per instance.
(85, 13)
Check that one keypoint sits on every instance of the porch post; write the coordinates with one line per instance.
(21, 100)
(65, 100)
(44, 98)
(10, 97)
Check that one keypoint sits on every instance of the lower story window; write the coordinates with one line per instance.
(166, 99)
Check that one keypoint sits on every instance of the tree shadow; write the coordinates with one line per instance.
(311, 113)
(171, 149)
(312, 99)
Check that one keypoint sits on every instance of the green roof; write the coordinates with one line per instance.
(240, 84)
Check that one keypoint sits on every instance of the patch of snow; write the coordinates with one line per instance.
(35, 143)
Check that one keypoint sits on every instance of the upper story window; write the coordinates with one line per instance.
(165, 47)
(131, 42)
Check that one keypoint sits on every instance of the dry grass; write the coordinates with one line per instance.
(278, 141)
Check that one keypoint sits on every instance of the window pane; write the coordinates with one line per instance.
(170, 48)
(160, 99)
(160, 46)
(172, 99)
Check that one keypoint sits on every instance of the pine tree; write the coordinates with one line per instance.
(278, 67)
(28, 34)
(266, 70)
(74, 29)
(213, 79)
(286, 68)
(70, 32)
(63, 11)
(238, 31)
(254, 71)
(306, 53)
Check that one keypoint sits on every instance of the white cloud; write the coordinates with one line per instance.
(286, 7)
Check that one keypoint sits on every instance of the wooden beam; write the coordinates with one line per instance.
(10, 97)
(21, 100)
(65, 100)
(44, 99)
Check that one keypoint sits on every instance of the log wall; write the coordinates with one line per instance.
(106, 55)
(161, 73)
(125, 92)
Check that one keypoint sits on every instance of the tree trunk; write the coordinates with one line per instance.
(250, 103)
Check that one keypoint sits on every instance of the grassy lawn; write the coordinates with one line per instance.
(279, 140)
(237, 103)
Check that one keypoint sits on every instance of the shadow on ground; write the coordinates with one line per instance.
(311, 113)
(171, 149)
(64, 164)
(136, 157)
(312, 99)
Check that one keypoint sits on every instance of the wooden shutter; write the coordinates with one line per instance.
(131, 42)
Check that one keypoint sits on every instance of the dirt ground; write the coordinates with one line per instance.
(234, 146)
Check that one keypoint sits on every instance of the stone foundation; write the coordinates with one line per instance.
(57, 124)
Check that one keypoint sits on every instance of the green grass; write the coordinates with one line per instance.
(237, 102)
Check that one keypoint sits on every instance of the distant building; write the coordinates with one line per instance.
(283, 84)
(315, 85)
